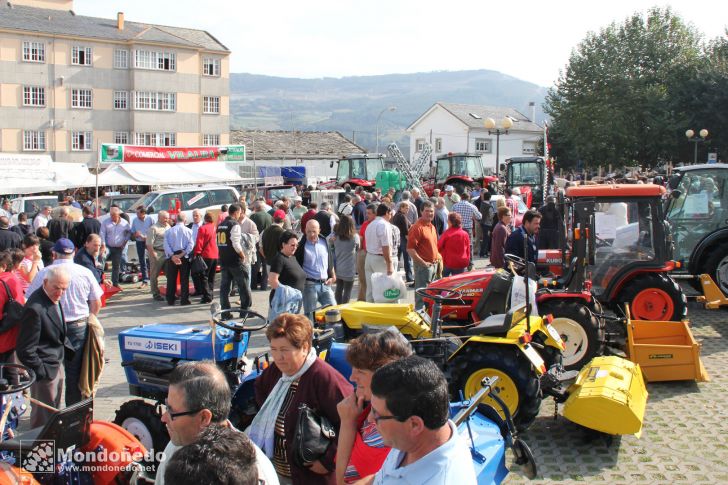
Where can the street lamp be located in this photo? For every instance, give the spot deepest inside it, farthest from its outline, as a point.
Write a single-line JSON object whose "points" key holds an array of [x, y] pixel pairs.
{"points": [[390, 108], [696, 139], [505, 125]]}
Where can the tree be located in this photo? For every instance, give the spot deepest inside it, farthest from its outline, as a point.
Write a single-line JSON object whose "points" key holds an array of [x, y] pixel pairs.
{"points": [[615, 102]]}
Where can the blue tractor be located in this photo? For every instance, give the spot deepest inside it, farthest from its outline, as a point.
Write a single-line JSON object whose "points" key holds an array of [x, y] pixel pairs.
{"points": [[150, 352]]}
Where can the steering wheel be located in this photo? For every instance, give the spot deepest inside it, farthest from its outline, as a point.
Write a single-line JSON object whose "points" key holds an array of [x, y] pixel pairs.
{"points": [[517, 261], [438, 294], [220, 317], [15, 378]]}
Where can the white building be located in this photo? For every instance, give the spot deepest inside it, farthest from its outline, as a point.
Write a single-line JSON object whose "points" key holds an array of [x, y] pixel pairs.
{"points": [[459, 128]]}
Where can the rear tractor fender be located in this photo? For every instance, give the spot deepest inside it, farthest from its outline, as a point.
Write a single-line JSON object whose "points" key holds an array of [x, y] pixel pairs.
{"points": [[525, 349]]}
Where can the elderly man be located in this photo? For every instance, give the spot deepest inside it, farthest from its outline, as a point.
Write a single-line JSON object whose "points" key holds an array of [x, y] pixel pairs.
{"points": [[198, 397], [42, 342], [234, 265], [450, 197], [59, 227], [298, 208], [410, 405], [5, 210], [317, 262], [413, 212], [82, 298], [155, 249], [178, 246], [360, 210], [115, 233], [139, 229], [8, 239], [441, 214], [417, 199], [325, 218], [422, 247], [401, 221], [42, 218], [361, 257], [378, 239]]}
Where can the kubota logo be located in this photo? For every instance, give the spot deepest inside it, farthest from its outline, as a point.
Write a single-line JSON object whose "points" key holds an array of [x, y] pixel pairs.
{"points": [[392, 293]]}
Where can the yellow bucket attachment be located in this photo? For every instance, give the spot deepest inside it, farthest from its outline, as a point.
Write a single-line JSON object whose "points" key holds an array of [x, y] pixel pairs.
{"points": [[609, 395], [712, 297], [402, 316], [666, 351]]}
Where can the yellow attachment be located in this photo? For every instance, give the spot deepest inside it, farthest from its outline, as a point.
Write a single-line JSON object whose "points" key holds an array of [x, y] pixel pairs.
{"points": [[504, 387], [666, 351], [712, 297], [609, 395], [403, 316]]}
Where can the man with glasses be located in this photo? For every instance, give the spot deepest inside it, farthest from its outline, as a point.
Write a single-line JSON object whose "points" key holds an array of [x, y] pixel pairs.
{"points": [[410, 406], [198, 397]]}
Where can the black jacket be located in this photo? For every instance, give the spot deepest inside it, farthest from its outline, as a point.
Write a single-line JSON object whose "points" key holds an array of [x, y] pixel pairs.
{"points": [[514, 245], [81, 231], [301, 251], [42, 343], [59, 228], [84, 259], [9, 239], [324, 220], [22, 230]]}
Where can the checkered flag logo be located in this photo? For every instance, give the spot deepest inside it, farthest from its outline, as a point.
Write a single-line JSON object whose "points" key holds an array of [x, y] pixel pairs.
{"points": [[41, 456]]}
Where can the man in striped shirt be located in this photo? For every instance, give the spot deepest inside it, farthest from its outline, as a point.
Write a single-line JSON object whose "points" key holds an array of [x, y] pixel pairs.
{"points": [[469, 213]]}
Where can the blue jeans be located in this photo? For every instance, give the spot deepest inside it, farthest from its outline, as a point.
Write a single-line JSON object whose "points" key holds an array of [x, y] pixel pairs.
{"points": [[423, 277], [451, 271], [76, 334], [315, 293], [141, 253]]}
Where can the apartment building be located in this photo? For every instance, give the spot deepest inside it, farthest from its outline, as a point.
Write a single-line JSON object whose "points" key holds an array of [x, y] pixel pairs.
{"points": [[69, 83]]}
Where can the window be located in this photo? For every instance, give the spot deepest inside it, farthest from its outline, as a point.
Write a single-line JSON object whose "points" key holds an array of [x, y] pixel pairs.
{"points": [[81, 141], [34, 140], [438, 144], [419, 144], [222, 196], [210, 140], [121, 137], [81, 56], [81, 98], [33, 96], [144, 100], [33, 51], [211, 104], [121, 59], [529, 148], [121, 100], [195, 200], [161, 61], [166, 202], [210, 66], [155, 139], [483, 145]]}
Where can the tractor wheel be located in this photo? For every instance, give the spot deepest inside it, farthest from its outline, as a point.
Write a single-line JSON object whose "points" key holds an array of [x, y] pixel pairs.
{"points": [[717, 266], [144, 421], [580, 330], [517, 386], [655, 296]]}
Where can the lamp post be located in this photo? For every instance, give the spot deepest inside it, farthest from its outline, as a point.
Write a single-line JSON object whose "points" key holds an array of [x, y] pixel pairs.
{"points": [[505, 125], [696, 139], [390, 108]]}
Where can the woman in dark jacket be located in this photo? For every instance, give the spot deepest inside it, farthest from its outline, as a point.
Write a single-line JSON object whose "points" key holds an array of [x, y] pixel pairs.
{"points": [[46, 246], [297, 376]]}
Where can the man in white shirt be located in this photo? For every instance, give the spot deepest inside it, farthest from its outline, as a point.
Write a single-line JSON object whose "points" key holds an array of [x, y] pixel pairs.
{"points": [[410, 406], [41, 220], [378, 237], [198, 397]]}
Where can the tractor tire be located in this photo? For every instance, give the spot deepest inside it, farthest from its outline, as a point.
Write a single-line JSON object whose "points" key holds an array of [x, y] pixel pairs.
{"points": [[716, 265], [144, 421], [518, 386], [654, 296], [580, 330]]}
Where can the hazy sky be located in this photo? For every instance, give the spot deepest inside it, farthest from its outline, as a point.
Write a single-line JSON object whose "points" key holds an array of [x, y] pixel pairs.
{"points": [[527, 39]]}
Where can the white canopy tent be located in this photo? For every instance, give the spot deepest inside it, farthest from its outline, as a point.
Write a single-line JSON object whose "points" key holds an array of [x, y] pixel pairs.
{"points": [[29, 174], [170, 173]]}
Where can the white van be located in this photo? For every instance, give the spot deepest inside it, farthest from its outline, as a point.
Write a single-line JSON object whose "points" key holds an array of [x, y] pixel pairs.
{"points": [[186, 199]]}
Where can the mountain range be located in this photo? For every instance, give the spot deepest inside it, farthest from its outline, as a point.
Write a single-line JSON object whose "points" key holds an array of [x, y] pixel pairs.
{"points": [[352, 105]]}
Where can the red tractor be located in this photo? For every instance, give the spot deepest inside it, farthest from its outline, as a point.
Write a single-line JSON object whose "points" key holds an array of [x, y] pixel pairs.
{"points": [[462, 171], [359, 170], [532, 176]]}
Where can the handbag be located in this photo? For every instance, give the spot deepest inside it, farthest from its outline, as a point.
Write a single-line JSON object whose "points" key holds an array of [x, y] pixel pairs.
{"points": [[312, 437], [12, 311], [198, 265]]}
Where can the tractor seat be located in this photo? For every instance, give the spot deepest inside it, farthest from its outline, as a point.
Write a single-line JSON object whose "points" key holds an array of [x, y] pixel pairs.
{"points": [[494, 324], [564, 280]]}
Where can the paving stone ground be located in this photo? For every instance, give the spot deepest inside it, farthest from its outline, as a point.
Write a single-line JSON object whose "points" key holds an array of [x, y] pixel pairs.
{"points": [[684, 440]]}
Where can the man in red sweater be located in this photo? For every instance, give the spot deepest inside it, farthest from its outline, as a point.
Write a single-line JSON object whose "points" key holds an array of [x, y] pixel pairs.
{"points": [[362, 254], [308, 215], [206, 246]]}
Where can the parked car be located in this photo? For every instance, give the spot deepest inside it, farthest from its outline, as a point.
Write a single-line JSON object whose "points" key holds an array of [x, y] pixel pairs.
{"points": [[123, 201], [206, 199]]}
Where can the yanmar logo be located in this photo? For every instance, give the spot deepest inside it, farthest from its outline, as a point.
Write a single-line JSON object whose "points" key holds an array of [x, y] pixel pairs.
{"points": [[154, 345]]}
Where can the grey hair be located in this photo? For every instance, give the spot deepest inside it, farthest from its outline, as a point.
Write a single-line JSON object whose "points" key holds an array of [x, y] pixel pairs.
{"points": [[165, 213], [181, 217], [204, 387], [406, 195], [325, 205], [56, 272]]}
